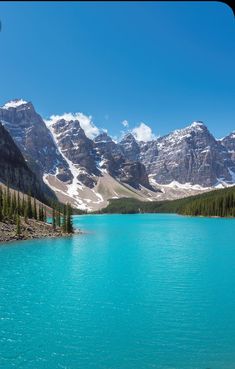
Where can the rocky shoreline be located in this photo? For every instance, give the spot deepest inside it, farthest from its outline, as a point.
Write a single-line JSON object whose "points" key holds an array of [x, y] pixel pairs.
{"points": [[33, 229]]}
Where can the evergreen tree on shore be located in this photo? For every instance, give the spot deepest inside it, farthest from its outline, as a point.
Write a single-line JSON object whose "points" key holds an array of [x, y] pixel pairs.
{"points": [[58, 218], [44, 214], [13, 207], [35, 213], [64, 223], [69, 222], [18, 225], [53, 219], [1, 204], [29, 208]]}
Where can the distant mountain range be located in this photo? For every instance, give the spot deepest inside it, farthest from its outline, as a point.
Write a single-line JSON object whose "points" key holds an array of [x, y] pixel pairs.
{"points": [[88, 172]]}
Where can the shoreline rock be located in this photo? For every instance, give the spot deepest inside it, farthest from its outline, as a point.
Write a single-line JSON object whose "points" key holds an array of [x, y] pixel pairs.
{"points": [[33, 229]]}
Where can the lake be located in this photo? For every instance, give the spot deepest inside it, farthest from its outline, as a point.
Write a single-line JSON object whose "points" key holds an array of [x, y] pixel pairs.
{"points": [[134, 292]]}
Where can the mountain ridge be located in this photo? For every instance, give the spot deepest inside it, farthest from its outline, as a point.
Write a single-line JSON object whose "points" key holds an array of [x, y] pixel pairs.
{"points": [[180, 163]]}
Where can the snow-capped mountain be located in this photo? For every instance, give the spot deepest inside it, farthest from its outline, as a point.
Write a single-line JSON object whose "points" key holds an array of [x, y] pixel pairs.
{"points": [[189, 155], [33, 138], [130, 147], [111, 158], [76, 149], [229, 143], [88, 172]]}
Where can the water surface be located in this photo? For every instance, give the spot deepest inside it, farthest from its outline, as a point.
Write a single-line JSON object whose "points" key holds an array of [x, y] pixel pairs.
{"points": [[135, 292]]}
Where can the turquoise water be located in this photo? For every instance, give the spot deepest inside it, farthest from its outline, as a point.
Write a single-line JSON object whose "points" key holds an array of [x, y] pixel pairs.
{"points": [[135, 292]]}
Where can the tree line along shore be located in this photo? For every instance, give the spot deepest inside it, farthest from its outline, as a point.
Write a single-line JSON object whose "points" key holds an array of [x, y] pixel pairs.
{"points": [[217, 203], [24, 217]]}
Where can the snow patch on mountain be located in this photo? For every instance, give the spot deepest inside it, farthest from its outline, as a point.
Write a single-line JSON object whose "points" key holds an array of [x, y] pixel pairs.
{"points": [[197, 124], [73, 187], [176, 184], [232, 175]]}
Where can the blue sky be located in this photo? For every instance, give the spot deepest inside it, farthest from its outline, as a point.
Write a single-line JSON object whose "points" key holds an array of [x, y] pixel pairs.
{"points": [[164, 64]]}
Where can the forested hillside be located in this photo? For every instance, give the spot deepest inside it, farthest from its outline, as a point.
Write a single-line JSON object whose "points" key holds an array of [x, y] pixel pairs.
{"points": [[215, 203]]}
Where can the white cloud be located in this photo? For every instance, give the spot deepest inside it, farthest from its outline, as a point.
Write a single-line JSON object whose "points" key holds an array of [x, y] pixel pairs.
{"points": [[125, 123], [143, 132], [85, 121]]}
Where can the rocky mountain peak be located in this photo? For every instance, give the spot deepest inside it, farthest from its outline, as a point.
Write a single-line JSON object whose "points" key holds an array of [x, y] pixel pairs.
{"points": [[76, 148], [103, 137], [68, 127], [33, 138], [197, 125], [228, 143], [188, 155], [130, 147], [15, 104], [196, 128], [128, 137]]}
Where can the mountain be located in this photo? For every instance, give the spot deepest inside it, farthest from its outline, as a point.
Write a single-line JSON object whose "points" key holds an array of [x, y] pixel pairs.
{"points": [[33, 138], [88, 172], [14, 170], [190, 155], [130, 147], [111, 158], [229, 143], [76, 149]]}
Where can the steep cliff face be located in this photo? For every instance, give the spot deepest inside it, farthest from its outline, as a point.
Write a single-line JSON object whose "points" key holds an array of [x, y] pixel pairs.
{"points": [[77, 150], [130, 147], [113, 159], [14, 170], [108, 155], [229, 143], [34, 140], [190, 155]]}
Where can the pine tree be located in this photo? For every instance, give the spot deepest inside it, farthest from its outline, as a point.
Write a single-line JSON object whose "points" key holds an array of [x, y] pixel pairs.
{"points": [[64, 221], [45, 214], [18, 225], [18, 204], [4, 206], [58, 220], [35, 215], [1, 196], [25, 214], [69, 222], [29, 207], [8, 201], [1, 204], [23, 206], [53, 219], [40, 213]]}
